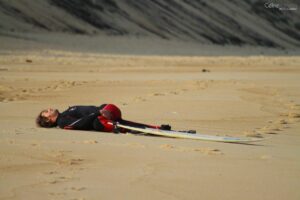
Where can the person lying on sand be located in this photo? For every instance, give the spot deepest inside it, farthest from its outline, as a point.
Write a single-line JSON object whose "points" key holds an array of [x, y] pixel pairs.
{"points": [[97, 118]]}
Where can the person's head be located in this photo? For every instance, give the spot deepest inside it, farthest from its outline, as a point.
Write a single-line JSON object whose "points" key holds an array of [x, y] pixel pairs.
{"points": [[47, 118]]}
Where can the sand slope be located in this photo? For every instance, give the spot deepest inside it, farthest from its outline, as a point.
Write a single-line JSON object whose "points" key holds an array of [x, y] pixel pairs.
{"points": [[204, 22]]}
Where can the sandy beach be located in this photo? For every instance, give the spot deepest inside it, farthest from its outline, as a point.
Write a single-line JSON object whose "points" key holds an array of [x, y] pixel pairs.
{"points": [[256, 96], [227, 68]]}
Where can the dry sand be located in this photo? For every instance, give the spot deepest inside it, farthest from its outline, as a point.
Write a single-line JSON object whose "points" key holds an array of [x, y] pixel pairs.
{"points": [[240, 96]]}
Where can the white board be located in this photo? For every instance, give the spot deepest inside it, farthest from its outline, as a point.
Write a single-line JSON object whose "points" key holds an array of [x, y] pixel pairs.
{"points": [[196, 136]]}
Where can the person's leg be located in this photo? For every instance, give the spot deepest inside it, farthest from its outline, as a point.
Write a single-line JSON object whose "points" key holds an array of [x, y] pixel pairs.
{"points": [[113, 113], [140, 125]]}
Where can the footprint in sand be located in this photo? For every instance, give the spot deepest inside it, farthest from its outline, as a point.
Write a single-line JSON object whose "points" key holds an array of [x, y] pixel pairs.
{"points": [[280, 124], [294, 115], [3, 69], [65, 178], [11, 141], [167, 146], [274, 127], [266, 130], [135, 145], [206, 150], [51, 172], [270, 132], [293, 106], [18, 131], [57, 193], [281, 121], [75, 161], [265, 157], [174, 93], [35, 145], [5, 100], [202, 84], [139, 99], [62, 159], [157, 94], [53, 182], [253, 134], [56, 180], [209, 151], [77, 188], [90, 142]]}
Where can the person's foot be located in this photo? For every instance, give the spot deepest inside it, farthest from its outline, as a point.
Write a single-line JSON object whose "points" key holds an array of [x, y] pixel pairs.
{"points": [[189, 131], [116, 129], [165, 127]]}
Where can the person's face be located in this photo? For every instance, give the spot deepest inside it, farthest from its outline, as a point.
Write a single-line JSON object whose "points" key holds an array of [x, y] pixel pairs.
{"points": [[51, 114]]}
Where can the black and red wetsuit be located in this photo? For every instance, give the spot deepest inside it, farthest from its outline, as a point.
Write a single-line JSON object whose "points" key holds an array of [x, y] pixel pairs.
{"points": [[80, 118], [89, 118]]}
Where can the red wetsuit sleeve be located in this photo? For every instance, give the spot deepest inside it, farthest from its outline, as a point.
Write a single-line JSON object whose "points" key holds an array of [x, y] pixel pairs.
{"points": [[107, 125]]}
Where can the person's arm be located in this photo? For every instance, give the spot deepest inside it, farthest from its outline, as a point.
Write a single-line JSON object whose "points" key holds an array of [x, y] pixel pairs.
{"points": [[103, 124], [83, 123]]}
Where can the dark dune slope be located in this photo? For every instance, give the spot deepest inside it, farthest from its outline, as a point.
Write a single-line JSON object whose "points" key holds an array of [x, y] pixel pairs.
{"points": [[209, 22]]}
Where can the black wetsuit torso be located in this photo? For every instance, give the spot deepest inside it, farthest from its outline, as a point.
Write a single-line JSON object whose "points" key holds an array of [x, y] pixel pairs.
{"points": [[79, 117]]}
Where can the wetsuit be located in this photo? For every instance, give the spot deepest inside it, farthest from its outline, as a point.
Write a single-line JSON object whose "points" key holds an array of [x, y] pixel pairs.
{"points": [[81, 118], [89, 118]]}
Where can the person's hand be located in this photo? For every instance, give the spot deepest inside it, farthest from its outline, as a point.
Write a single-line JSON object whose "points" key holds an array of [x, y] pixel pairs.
{"points": [[165, 127], [106, 114]]}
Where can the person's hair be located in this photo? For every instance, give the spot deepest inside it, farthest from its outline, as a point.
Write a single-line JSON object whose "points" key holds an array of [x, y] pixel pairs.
{"points": [[44, 122]]}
